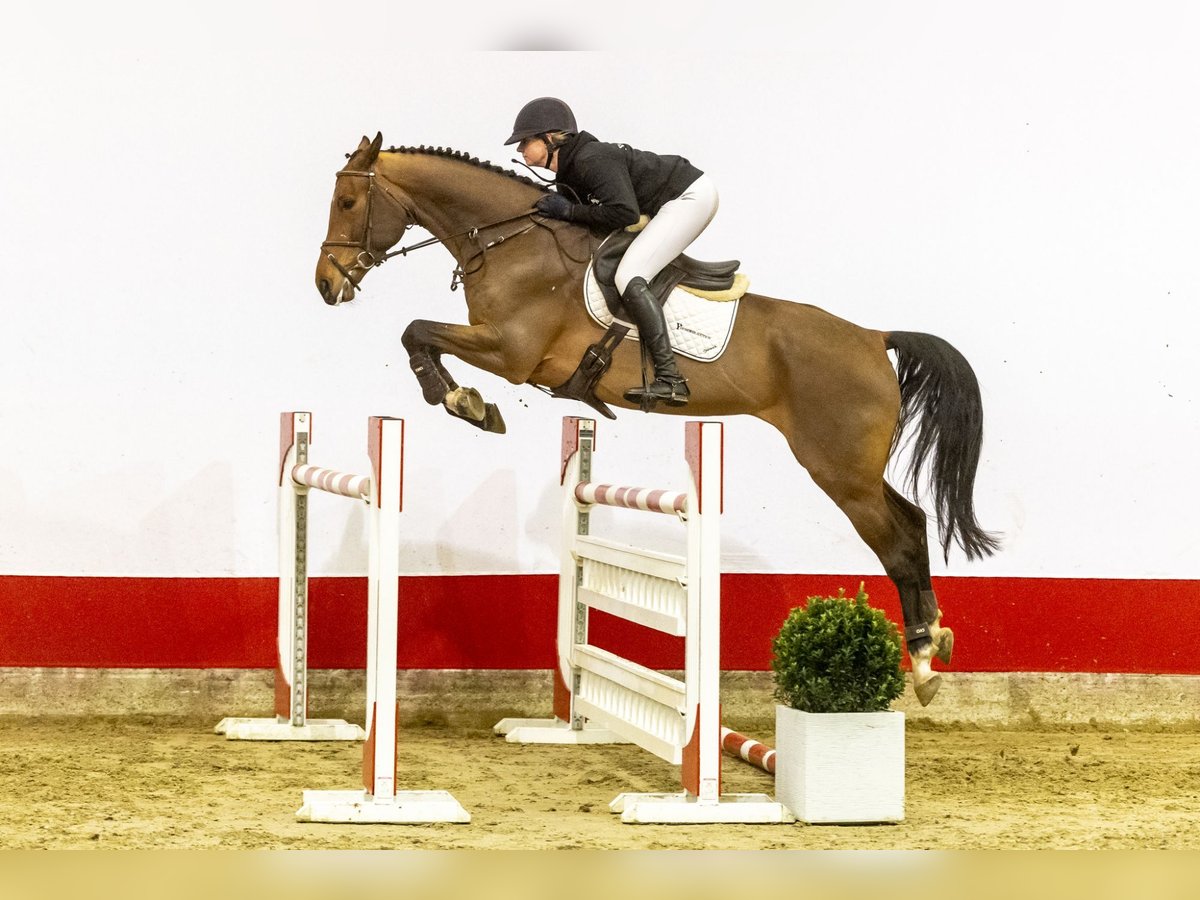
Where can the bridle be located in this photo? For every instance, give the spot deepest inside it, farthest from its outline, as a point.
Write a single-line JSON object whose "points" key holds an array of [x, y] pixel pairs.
{"points": [[368, 259]]}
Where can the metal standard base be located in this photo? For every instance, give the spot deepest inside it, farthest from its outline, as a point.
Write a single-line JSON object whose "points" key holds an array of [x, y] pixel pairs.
{"points": [[358, 807], [275, 730], [554, 731], [681, 809]]}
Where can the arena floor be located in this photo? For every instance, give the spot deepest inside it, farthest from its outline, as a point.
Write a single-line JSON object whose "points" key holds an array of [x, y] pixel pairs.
{"points": [[153, 782]]}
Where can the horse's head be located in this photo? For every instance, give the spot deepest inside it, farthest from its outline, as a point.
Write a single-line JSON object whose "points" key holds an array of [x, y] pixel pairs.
{"points": [[365, 220]]}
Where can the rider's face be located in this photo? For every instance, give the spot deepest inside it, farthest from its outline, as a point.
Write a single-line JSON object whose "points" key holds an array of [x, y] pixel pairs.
{"points": [[534, 150]]}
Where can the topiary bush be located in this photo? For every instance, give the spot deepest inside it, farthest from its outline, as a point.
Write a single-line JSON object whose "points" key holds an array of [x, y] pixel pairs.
{"points": [[837, 654]]}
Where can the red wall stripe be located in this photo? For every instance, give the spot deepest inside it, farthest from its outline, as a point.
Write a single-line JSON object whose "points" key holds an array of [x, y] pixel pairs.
{"points": [[507, 622]]}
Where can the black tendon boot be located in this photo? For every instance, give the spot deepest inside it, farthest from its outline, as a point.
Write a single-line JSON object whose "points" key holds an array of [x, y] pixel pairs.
{"points": [[668, 385]]}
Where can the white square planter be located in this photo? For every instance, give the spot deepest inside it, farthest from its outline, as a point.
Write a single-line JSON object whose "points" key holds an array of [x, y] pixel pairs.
{"points": [[840, 767]]}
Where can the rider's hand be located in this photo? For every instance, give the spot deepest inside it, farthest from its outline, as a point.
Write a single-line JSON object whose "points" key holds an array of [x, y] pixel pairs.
{"points": [[555, 206]]}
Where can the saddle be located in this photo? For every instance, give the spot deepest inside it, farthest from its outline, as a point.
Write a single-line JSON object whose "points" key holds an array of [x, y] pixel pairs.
{"points": [[683, 271]]}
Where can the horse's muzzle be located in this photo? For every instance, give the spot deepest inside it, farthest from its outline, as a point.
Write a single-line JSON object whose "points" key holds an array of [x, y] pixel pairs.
{"points": [[325, 289], [332, 297]]}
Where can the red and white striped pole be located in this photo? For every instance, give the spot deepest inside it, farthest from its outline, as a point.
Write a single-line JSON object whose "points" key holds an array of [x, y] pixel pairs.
{"points": [[745, 748]]}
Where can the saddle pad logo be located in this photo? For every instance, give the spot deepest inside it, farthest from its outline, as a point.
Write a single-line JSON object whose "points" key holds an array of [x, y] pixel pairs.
{"points": [[699, 329]]}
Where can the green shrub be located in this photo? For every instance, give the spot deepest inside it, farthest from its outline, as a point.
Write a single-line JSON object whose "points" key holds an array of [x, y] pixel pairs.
{"points": [[835, 654]]}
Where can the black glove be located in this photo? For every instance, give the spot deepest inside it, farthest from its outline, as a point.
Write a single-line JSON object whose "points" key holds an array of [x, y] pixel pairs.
{"points": [[556, 206]]}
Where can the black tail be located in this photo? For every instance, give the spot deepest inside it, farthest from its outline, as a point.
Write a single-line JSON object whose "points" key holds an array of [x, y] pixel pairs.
{"points": [[939, 394]]}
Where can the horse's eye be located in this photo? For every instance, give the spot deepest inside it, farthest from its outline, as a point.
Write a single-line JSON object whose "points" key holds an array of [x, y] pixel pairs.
{"points": [[347, 202]]}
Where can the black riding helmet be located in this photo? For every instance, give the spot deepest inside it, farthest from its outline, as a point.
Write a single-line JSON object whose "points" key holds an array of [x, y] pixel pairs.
{"points": [[540, 116]]}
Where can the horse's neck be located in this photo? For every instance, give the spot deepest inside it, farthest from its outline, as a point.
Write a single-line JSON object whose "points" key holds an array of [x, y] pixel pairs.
{"points": [[451, 197]]}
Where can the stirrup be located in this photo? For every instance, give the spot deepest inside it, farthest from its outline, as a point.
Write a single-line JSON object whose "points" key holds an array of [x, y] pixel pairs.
{"points": [[671, 390]]}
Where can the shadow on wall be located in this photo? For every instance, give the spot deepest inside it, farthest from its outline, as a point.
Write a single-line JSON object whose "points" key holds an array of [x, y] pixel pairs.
{"points": [[191, 531], [493, 504]]}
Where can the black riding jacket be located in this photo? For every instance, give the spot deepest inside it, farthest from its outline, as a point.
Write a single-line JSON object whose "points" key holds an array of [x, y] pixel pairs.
{"points": [[614, 184]]}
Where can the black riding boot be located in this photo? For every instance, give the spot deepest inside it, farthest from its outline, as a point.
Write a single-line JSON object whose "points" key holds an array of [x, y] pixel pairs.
{"points": [[668, 385]]}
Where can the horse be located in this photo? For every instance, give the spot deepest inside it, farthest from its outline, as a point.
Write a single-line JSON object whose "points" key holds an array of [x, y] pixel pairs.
{"points": [[827, 385]]}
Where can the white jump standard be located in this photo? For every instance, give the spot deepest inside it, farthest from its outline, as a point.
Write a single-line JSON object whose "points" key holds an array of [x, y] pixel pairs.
{"points": [[378, 801], [600, 697], [291, 722]]}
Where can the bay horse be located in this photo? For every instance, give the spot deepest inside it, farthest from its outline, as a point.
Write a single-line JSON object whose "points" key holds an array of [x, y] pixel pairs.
{"points": [[826, 384]]}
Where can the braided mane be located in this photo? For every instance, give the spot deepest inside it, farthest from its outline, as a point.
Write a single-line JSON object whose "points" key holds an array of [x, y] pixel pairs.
{"points": [[448, 153]]}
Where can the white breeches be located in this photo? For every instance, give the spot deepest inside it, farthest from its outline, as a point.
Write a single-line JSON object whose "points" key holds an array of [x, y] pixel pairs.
{"points": [[669, 233]]}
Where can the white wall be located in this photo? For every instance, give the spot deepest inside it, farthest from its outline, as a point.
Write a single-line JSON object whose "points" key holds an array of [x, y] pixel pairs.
{"points": [[1017, 177]]}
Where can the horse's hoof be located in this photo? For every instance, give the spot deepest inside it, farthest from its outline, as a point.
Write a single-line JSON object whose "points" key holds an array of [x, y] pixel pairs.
{"points": [[493, 421], [926, 690], [466, 403], [943, 645], [925, 681]]}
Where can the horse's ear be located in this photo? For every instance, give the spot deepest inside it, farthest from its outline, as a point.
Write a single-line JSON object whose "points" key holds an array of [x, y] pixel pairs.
{"points": [[368, 149]]}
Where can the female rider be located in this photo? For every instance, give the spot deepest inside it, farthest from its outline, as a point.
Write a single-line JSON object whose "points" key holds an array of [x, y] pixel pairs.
{"points": [[615, 184]]}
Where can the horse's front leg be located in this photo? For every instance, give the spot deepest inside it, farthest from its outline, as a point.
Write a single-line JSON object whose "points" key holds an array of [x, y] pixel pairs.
{"points": [[477, 345]]}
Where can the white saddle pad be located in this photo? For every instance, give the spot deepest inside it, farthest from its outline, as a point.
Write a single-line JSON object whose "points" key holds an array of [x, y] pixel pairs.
{"points": [[699, 328]]}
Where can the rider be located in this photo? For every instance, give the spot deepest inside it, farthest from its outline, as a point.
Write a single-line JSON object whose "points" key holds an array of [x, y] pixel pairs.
{"points": [[615, 185]]}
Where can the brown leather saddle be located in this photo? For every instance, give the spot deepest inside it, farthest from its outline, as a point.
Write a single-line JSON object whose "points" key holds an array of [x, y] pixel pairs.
{"points": [[682, 271]]}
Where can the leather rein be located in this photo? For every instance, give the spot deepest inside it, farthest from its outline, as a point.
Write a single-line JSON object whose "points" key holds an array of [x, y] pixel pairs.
{"points": [[368, 259]]}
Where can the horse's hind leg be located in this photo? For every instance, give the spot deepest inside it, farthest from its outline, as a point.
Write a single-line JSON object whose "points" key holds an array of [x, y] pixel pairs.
{"points": [[924, 623], [895, 530], [928, 613], [842, 434]]}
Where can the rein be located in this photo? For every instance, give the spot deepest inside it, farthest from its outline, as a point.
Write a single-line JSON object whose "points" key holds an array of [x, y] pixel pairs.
{"points": [[367, 259]]}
